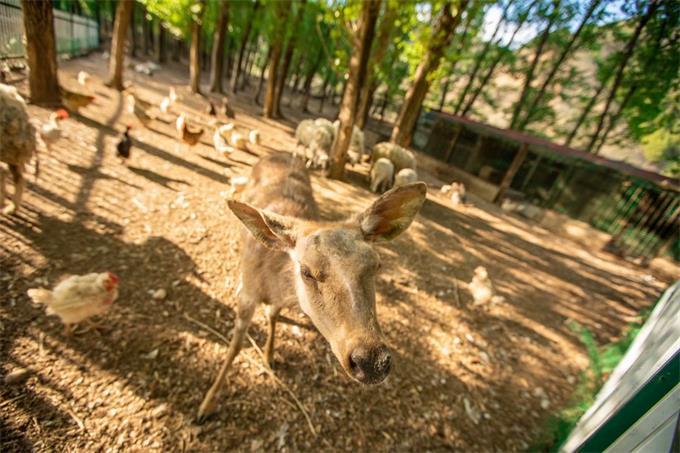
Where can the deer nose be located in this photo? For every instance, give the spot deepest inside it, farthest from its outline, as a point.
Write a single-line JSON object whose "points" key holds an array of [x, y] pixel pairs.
{"points": [[370, 365]]}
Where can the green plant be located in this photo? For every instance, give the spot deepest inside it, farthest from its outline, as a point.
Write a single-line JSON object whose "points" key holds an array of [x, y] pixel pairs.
{"points": [[603, 360]]}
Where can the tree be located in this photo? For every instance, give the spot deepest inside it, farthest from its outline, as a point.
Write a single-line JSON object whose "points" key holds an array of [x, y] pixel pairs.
{"points": [[457, 52], [358, 62], [283, 73], [443, 29], [159, 43], [282, 9], [217, 57], [500, 53], [197, 11], [309, 77], [532, 68], [481, 57], [236, 73], [556, 66], [41, 52], [120, 28], [626, 55]]}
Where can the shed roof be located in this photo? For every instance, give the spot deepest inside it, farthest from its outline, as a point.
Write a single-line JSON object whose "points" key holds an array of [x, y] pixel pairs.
{"points": [[541, 145]]}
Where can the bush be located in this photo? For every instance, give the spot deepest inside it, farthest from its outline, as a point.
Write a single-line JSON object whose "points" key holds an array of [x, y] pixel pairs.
{"points": [[602, 360]]}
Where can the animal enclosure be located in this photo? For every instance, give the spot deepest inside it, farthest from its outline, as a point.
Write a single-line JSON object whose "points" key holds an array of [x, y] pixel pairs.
{"points": [[640, 209]]}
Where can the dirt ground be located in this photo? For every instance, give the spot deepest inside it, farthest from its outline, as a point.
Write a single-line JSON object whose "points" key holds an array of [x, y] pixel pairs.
{"points": [[464, 378]]}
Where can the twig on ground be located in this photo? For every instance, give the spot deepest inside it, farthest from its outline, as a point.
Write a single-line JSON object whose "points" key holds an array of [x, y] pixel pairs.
{"points": [[75, 418], [5, 403], [455, 291], [254, 362]]}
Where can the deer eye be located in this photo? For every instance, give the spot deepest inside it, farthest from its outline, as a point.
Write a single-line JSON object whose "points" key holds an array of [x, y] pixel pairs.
{"points": [[307, 274]]}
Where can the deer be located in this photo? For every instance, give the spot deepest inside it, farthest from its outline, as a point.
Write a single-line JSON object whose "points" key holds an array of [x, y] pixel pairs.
{"points": [[289, 256]]}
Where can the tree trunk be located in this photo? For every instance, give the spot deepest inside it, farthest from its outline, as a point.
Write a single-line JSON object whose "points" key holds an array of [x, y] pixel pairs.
{"points": [[145, 33], [358, 63], [263, 70], [176, 49], [236, 74], [41, 52], [247, 71], [324, 91], [532, 68], [292, 42], [120, 28], [309, 78], [230, 58], [461, 45], [627, 53], [614, 119], [442, 32], [133, 31], [383, 106], [217, 57], [160, 43], [565, 52], [586, 110], [282, 10], [480, 58], [379, 49], [195, 52]]}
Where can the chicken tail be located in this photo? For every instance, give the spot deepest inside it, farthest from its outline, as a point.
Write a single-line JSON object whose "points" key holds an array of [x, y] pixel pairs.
{"points": [[40, 295]]}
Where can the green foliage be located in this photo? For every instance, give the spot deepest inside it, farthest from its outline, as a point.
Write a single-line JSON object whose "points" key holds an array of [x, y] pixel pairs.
{"points": [[663, 146], [602, 361]]}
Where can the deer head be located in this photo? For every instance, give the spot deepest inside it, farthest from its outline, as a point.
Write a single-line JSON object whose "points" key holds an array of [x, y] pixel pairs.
{"points": [[334, 270]]}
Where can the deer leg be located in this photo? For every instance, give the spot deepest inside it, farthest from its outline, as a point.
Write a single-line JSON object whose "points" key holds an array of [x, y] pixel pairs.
{"points": [[245, 315], [19, 183], [272, 313]]}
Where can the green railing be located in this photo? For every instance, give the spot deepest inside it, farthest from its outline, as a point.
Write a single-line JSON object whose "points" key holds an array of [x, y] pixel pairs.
{"points": [[74, 34]]}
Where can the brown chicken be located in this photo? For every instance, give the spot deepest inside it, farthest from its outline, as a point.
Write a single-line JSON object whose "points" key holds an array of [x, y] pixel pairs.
{"points": [[188, 136], [79, 297], [75, 101]]}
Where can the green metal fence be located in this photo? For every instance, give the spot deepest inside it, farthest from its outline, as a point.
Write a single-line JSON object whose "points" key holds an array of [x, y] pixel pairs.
{"points": [[74, 34], [643, 219]]}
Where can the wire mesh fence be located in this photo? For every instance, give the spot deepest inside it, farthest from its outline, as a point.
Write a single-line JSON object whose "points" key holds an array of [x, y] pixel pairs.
{"points": [[74, 34]]}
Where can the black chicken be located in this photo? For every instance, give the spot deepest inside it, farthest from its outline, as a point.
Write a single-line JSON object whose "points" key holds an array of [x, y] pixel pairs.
{"points": [[124, 144]]}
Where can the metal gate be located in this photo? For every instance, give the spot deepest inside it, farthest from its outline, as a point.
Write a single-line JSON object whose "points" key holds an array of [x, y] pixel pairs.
{"points": [[74, 34], [644, 220]]}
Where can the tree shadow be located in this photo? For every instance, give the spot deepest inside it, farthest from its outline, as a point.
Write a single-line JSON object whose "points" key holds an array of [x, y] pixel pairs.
{"points": [[157, 178]]}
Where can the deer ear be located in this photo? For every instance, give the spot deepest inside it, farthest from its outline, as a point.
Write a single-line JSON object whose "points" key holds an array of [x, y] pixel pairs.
{"points": [[392, 213], [273, 230]]}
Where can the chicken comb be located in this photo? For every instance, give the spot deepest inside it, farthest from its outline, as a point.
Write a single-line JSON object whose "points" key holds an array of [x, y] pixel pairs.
{"points": [[62, 114], [113, 277]]}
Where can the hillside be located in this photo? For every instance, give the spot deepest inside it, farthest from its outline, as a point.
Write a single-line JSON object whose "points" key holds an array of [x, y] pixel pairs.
{"points": [[495, 105]]}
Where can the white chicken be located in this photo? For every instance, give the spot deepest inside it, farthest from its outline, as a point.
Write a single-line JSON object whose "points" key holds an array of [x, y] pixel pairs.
{"points": [[83, 78], [239, 140], [165, 105], [481, 288], [78, 297], [219, 139], [254, 137], [172, 95], [50, 131], [238, 184]]}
